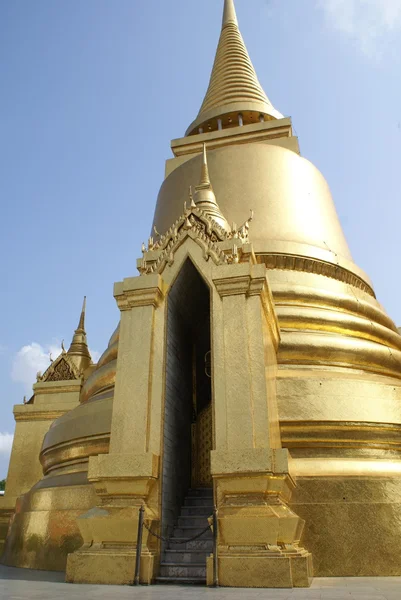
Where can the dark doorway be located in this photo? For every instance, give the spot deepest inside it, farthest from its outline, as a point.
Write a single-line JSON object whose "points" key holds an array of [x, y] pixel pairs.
{"points": [[188, 416]]}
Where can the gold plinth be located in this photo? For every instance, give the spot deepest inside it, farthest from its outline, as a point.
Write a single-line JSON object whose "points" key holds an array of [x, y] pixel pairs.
{"points": [[108, 566], [258, 533], [262, 570]]}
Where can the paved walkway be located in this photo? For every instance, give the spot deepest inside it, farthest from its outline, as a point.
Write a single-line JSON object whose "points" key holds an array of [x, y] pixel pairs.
{"points": [[22, 584]]}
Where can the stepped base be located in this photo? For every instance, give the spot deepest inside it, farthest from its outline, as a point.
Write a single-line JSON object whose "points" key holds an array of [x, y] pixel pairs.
{"points": [[185, 570], [109, 567], [262, 571], [181, 580]]}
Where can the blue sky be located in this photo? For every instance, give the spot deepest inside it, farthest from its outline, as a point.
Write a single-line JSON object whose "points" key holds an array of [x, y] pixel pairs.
{"points": [[93, 92]]}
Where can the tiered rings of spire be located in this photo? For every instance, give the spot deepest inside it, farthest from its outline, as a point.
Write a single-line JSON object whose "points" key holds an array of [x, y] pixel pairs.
{"points": [[234, 96]]}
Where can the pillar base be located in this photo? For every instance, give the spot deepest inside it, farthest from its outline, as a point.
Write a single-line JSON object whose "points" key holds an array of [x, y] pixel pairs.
{"points": [[261, 570], [108, 566]]}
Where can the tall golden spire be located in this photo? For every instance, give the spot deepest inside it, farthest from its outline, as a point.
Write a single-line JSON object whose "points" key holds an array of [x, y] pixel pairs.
{"points": [[205, 198], [235, 96], [79, 350]]}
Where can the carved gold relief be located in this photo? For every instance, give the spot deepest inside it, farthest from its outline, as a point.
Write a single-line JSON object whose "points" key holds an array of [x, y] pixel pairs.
{"points": [[202, 445]]}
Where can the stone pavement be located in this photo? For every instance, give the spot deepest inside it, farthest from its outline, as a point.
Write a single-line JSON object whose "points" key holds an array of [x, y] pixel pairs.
{"points": [[22, 584]]}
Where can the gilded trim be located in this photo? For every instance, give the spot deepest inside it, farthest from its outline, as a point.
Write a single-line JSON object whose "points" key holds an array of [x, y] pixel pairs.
{"points": [[291, 262], [340, 434]]}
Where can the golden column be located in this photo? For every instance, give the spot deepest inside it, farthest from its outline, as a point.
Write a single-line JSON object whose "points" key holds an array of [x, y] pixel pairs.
{"points": [[258, 534], [128, 477]]}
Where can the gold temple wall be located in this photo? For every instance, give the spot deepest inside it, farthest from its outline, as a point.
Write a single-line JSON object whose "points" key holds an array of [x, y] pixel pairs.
{"points": [[352, 524]]}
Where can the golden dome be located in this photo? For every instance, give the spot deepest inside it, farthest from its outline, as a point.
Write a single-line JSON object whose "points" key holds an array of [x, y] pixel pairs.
{"points": [[289, 196], [102, 379]]}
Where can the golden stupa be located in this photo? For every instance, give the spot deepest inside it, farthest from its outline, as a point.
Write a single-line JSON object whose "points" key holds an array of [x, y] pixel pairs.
{"points": [[252, 369]]}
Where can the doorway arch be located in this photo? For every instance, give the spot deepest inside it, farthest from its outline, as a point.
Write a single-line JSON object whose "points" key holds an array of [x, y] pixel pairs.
{"points": [[187, 431]]}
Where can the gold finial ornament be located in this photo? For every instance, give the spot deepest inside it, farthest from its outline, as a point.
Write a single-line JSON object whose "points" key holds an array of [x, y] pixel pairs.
{"points": [[79, 350], [191, 197], [81, 324], [205, 198], [229, 15], [205, 177], [235, 95]]}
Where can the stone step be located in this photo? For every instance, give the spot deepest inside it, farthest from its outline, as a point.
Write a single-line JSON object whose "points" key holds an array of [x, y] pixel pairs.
{"points": [[199, 501], [200, 544], [197, 511], [185, 556], [201, 492], [193, 521], [185, 562], [181, 580], [182, 570], [189, 532]]}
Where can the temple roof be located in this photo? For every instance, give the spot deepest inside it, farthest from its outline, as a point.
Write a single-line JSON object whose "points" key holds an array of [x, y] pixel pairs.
{"points": [[72, 363], [234, 87]]}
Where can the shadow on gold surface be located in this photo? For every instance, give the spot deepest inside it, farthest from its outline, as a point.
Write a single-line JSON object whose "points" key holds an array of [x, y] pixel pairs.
{"points": [[43, 530]]}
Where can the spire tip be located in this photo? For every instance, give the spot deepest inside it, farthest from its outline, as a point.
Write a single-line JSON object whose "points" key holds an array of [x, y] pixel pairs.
{"points": [[229, 15], [205, 178], [81, 324]]}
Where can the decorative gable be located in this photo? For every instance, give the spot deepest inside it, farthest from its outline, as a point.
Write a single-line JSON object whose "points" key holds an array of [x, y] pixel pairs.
{"points": [[62, 369], [200, 227]]}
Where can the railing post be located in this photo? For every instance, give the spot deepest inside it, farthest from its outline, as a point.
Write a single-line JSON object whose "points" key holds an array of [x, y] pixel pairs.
{"points": [[139, 545], [215, 545]]}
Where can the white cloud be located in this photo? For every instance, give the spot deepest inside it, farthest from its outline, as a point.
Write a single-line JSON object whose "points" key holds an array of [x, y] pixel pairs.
{"points": [[33, 358], [6, 442], [368, 22], [95, 355]]}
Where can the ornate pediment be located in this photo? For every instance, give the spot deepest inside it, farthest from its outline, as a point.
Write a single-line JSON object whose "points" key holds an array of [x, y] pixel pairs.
{"points": [[196, 224], [62, 369]]}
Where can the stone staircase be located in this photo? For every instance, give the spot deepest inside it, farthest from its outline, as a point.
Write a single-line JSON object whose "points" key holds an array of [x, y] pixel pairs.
{"points": [[186, 563]]}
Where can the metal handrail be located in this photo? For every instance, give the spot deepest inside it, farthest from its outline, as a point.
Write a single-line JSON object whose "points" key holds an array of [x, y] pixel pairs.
{"points": [[139, 545], [215, 549]]}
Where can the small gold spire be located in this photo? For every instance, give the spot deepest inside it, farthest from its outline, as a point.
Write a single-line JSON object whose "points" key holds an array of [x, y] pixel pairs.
{"points": [[234, 96], [79, 350], [205, 177], [81, 324], [191, 197], [205, 198]]}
